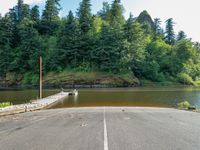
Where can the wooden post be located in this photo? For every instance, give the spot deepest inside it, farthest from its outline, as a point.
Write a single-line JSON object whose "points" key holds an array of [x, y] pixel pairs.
{"points": [[40, 80]]}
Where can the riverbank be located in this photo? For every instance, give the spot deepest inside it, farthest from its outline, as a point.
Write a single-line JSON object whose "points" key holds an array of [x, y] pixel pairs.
{"points": [[77, 79], [72, 79]]}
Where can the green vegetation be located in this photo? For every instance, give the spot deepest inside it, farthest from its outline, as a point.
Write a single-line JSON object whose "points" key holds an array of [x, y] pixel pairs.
{"points": [[74, 77], [105, 44], [184, 104], [5, 104]]}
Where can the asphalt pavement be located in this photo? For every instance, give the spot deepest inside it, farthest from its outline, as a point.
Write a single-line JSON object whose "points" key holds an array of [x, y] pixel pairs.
{"points": [[101, 128]]}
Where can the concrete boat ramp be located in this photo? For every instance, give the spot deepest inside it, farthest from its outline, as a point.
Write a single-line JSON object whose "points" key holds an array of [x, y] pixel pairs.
{"points": [[35, 105], [108, 128]]}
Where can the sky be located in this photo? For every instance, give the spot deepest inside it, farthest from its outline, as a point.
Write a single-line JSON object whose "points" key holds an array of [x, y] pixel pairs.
{"points": [[184, 12]]}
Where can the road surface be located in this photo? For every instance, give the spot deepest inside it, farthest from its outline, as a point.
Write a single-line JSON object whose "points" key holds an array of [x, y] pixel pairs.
{"points": [[101, 129]]}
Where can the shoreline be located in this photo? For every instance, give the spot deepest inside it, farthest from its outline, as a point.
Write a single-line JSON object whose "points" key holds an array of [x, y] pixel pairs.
{"points": [[89, 86]]}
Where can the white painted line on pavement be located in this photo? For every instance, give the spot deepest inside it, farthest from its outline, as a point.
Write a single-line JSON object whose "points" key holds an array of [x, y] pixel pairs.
{"points": [[105, 133]]}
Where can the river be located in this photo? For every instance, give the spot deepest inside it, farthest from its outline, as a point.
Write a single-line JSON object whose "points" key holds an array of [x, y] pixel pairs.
{"points": [[144, 97]]}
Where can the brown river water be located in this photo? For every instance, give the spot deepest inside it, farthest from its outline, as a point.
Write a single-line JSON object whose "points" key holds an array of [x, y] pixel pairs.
{"points": [[142, 97]]}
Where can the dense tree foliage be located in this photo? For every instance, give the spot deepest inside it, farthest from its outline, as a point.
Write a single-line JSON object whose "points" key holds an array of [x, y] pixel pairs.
{"points": [[105, 42]]}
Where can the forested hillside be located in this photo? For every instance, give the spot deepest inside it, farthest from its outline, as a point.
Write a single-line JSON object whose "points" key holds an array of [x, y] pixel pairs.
{"points": [[105, 43]]}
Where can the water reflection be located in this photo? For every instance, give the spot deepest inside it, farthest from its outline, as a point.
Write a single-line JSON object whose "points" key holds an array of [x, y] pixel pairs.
{"points": [[146, 97]]}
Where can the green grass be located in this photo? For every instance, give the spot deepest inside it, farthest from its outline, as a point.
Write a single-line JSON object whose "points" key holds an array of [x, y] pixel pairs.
{"points": [[5, 104]]}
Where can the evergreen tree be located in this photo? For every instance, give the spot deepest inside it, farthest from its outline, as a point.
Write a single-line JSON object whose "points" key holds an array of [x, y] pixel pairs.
{"points": [[136, 50], [116, 19], [68, 40], [25, 11], [170, 35], [20, 10], [128, 28], [108, 50], [103, 42], [35, 14], [181, 35], [158, 31], [85, 24], [30, 46], [5, 44], [105, 12], [85, 16], [50, 17]]}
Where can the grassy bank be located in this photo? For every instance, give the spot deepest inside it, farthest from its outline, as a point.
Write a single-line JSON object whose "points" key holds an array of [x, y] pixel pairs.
{"points": [[69, 77], [74, 77]]}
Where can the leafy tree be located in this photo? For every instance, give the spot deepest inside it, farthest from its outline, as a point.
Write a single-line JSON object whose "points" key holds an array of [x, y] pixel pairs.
{"points": [[158, 61], [184, 51], [170, 35], [102, 42]]}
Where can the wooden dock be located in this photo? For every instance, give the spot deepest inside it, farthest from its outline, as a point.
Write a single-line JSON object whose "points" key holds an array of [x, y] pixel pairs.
{"points": [[35, 105]]}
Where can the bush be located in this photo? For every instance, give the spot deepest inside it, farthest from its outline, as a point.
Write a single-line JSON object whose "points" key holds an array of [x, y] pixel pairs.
{"points": [[184, 104], [30, 78], [84, 67], [185, 79], [5, 104]]}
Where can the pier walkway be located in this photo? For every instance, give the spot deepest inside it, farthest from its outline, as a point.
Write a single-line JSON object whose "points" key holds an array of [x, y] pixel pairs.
{"points": [[34, 105]]}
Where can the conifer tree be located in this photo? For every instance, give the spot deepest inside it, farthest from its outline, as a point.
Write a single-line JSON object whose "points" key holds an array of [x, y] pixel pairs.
{"points": [[158, 31], [169, 31], [116, 14], [85, 16], [30, 46], [5, 44], [181, 35], [35, 14], [50, 17], [135, 52], [68, 42]]}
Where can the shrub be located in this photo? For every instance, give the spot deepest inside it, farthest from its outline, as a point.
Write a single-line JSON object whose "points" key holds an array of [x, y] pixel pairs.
{"points": [[30, 78], [5, 104], [184, 104], [84, 67], [185, 79]]}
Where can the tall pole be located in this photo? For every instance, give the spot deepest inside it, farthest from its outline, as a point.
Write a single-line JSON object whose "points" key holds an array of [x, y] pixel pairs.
{"points": [[40, 82]]}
